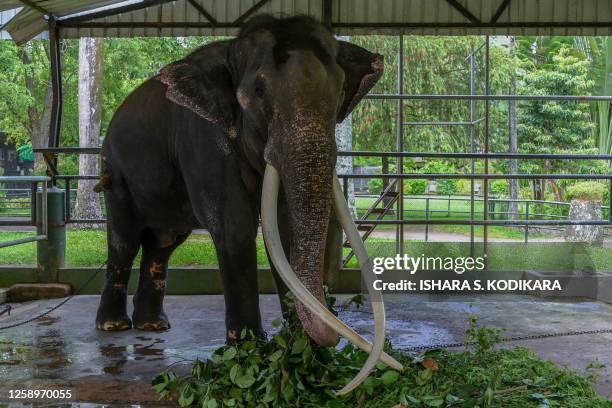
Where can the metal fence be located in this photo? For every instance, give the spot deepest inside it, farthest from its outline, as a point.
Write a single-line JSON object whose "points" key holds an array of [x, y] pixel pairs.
{"points": [[42, 233], [527, 210]]}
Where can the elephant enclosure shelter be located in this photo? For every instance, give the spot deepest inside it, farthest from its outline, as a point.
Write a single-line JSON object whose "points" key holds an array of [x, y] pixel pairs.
{"points": [[63, 347]]}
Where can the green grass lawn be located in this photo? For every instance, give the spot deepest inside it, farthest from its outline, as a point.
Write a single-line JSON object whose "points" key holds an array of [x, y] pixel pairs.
{"points": [[88, 248]]}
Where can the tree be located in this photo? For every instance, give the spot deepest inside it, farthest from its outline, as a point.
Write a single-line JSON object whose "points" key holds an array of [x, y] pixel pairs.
{"points": [[90, 115], [555, 126], [25, 94]]}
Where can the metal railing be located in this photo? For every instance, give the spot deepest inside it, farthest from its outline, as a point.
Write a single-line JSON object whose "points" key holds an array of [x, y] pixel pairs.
{"points": [[34, 180], [50, 155], [525, 214], [400, 222]]}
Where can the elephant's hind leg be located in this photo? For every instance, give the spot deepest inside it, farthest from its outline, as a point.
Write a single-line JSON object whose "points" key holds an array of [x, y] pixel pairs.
{"points": [[123, 236], [122, 249], [149, 298]]}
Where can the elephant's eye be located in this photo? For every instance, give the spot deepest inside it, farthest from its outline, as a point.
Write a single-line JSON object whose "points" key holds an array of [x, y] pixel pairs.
{"points": [[259, 92]]}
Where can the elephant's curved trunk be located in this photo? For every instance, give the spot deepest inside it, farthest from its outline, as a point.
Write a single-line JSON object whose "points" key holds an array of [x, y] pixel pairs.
{"points": [[314, 306], [307, 181]]}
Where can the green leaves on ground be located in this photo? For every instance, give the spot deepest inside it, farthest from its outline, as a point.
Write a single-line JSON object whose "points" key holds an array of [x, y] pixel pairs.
{"points": [[291, 371]]}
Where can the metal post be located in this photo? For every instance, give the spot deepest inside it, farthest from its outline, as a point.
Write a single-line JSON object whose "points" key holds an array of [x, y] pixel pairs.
{"points": [[50, 253], [427, 218], [527, 223], [449, 206], [56, 85], [472, 146], [67, 205], [33, 189], [400, 146], [485, 180]]}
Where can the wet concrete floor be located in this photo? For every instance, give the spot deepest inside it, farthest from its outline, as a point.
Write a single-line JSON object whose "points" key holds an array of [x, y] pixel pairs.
{"points": [[64, 350]]}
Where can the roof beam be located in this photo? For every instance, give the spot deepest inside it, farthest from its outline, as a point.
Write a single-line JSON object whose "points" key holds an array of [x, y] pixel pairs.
{"points": [[202, 11], [465, 12], [113, 11], [249, 12], [500, 10], [188, 24], [35, 6], [513, 24]]}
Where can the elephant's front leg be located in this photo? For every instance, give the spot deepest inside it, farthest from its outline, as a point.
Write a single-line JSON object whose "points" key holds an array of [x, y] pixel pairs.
{"points": [[237, 255], [149, 298]]}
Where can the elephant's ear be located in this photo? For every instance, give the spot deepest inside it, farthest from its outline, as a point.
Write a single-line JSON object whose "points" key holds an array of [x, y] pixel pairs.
{"points": [[202, 83], [361, 71]]}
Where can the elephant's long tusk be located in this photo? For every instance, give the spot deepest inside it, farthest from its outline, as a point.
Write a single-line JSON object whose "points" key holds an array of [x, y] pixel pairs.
{"points": [[344, 216], [269, 207]]}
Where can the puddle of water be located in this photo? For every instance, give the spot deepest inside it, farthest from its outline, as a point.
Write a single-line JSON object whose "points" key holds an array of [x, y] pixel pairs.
{"points": [[50, 357], [11, 354]]}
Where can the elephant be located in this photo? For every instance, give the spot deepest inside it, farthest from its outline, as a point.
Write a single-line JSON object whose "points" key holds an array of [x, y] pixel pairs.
{"points": [[194, 147]]}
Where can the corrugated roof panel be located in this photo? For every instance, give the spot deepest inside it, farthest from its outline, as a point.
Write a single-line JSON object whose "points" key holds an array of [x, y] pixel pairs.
{"points": [[30, 22], [349, 17]]}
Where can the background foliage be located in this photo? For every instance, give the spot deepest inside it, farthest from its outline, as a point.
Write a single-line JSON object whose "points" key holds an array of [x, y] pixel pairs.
{"points": [[433, 65]]}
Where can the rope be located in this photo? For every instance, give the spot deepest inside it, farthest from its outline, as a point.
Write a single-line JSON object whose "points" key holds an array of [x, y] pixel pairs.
{"points": [[60, 304]]}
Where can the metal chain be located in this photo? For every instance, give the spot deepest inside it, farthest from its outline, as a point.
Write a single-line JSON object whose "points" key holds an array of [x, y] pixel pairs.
{"points": [[60, 304], [507, 339]]}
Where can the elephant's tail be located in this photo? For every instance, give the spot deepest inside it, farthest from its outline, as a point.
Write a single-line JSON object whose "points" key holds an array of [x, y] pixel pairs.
{"points": [[105, 182]]}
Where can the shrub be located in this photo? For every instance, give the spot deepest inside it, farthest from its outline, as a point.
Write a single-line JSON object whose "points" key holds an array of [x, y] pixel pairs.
{"points": [[464, 187], [446, 187], [443, 187], [586, 190], [415, 186], [500, 188], [375, 186]]}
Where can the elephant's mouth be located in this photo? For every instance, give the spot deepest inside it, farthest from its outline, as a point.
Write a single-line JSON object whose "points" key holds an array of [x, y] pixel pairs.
{"points": [[312, 311]]}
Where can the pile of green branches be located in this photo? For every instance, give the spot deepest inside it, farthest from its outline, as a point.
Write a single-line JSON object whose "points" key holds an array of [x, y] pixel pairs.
{"points": [[291, 371]]}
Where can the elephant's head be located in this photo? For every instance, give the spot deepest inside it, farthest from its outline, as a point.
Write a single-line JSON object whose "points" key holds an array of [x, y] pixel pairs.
{"points": [[279, 89]]}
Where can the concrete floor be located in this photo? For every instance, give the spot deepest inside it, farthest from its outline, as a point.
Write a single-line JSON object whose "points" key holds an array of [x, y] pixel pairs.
{"points": [[64, 350]]}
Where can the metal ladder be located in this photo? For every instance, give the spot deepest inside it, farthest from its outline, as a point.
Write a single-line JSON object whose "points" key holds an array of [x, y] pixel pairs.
{"points": [[380, 213]]}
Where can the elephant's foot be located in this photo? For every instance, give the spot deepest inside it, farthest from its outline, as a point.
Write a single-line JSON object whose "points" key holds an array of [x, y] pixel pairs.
{"points": [[109, 320], [123, 323], [112, 314], [149, 314], [153, 322]]}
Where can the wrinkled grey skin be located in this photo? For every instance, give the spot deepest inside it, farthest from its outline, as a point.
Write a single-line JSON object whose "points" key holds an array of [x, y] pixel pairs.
{"points": [[195, 157]]}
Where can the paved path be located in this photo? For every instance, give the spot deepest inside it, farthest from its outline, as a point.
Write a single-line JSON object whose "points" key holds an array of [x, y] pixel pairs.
{"points": [[64, 349]]}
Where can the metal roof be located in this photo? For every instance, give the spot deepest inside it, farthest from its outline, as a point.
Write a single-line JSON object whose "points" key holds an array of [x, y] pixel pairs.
{"points": [[114, 18]]}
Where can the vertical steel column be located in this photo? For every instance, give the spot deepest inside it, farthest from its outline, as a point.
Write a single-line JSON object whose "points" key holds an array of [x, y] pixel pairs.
{"points": [[472, 145], [610, 202], [400, 146], [56, 84], [485, 180]]}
